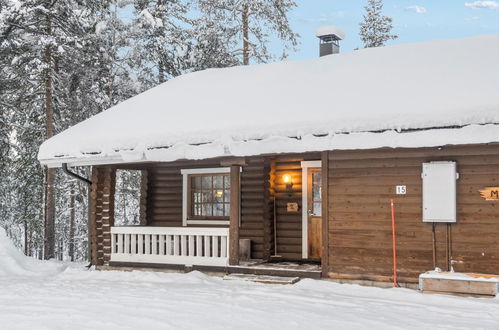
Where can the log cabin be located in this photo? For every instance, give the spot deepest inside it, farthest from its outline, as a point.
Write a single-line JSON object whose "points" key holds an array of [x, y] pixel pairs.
{"points": [[300, 161]]}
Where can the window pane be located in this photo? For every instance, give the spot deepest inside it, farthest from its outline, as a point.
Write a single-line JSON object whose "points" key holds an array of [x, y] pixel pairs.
{"points": [[317, 178], [227, 196], [317, 209], [218, 210], [207, 210], [196, 210], [226, 181], [196, 182], [206, 180], [196, 197], [207, 196], [227, 210], [218, 196], [316, 193], [218, 181]]}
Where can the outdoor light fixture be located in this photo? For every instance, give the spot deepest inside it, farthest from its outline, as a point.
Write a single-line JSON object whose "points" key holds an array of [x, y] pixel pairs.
{"points": [[287, 180]]}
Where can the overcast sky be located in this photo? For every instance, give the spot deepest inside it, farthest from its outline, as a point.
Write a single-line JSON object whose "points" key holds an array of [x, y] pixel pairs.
{"points": [[414, 20]]}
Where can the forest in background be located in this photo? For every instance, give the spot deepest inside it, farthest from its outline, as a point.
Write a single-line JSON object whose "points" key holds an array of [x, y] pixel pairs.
{"points": [[64, 61]]}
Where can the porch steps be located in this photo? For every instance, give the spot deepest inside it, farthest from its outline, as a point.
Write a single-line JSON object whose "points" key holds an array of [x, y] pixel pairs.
{"points": [[460, 284], [266, 279]]}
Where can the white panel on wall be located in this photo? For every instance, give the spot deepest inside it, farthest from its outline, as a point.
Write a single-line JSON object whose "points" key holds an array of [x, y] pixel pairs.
{"points": [[439, 191]]}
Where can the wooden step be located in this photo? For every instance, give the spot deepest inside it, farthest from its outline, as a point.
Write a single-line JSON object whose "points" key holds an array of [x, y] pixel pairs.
{"points": [[266, 279], [459, 284]]}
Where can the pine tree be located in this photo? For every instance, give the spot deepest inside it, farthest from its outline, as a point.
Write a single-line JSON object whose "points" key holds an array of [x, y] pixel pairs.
{"points": [[375, 30], [247, 26], [160, 34]]}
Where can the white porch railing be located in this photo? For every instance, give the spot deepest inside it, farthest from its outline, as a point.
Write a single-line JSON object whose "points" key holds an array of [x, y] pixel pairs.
{"points": [[170, 245]]}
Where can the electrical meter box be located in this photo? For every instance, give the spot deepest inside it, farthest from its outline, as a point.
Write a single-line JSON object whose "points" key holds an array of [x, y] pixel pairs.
{"points": [[439, 191]]}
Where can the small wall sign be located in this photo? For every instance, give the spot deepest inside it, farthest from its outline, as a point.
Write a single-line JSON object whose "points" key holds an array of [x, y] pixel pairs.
{"points": [[490, 193], [401, 190], [292, 207]]}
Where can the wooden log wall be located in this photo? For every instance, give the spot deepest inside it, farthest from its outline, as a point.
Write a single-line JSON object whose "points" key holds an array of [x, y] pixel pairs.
{"points": [[256, 214], [361, 184], [164, 195], [101, 215], [289, 224]]}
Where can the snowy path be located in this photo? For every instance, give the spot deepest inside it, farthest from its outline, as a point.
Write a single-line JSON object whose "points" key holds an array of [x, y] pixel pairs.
{"points": [[80, 299]]}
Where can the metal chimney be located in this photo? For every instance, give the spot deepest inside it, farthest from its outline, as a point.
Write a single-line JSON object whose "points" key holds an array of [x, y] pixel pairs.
{"points": [[330, 37]]}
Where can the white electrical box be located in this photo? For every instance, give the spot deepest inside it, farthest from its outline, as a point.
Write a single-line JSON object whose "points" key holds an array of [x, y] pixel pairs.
{"points": [[439, 191]]}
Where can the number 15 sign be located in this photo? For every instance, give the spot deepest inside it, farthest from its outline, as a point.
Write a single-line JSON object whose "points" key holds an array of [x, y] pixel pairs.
{"points": [[401, 190]]}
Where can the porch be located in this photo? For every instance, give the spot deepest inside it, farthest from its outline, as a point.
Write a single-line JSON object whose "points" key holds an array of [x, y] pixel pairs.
{"points": [[186, 249], [186, 223]]}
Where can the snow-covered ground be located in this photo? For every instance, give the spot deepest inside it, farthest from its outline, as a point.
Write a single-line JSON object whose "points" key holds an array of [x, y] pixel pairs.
{"points": [[50, 295]]}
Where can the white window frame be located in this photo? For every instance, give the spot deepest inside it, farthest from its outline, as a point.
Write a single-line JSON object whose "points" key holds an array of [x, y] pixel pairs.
{"points": [[305, 165], [185, 195]]}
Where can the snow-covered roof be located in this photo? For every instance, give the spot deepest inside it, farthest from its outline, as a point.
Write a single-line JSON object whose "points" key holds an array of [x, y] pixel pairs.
{"points": [[394, 96], [330, 31]]}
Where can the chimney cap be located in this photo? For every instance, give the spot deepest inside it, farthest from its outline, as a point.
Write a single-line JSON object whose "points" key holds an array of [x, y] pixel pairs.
{"points": [[331, 30]]}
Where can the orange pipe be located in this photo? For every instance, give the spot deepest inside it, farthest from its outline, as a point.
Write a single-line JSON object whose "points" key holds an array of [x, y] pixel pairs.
{"points": [[394, 247]]}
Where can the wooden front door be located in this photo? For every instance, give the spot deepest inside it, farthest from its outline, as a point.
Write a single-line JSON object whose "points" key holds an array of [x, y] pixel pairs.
{"points": [[314, 205]]}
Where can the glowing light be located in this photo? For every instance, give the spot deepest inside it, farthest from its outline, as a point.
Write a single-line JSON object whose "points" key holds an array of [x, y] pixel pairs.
{"points": [[286, 178]]}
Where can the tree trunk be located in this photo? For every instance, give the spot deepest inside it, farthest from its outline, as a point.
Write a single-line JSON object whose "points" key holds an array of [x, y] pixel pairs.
{"points": [[50, 173], [245, 35], [161, 72], [72, 215], [26, 242]]}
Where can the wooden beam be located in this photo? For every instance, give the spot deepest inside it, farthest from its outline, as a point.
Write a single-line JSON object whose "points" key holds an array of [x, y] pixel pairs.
{"points": [[235, 201], [143, 197], [325, 214], [241, 161], [92, 216]]}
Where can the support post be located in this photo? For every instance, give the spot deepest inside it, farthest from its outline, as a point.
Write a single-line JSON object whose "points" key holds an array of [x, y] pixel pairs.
{"points": [[325, 213], [235, 200]]}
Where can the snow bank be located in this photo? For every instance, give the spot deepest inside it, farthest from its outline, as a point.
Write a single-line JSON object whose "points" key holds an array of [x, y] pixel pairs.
{"points": [[301, 106], [77, 299], [13, 262]]}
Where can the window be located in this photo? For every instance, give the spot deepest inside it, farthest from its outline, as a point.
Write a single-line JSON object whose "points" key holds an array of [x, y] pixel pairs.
{"points": [[209, 196], [206, 196]]}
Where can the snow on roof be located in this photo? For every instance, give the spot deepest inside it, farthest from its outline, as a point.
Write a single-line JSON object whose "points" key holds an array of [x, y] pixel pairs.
{"points": [[380, 97], [330, 30]]}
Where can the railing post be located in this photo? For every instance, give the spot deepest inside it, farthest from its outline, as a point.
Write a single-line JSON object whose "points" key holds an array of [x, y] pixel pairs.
{"points": [[235, 200]]}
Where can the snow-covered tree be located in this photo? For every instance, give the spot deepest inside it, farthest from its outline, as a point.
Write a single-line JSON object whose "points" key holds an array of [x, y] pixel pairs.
{"points": [[375, 29], [161, 38], [246, 27]]}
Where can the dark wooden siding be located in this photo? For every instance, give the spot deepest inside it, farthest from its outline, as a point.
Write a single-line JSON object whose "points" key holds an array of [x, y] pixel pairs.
{"points": [[164, 195], [255, 215], [361, 184]]}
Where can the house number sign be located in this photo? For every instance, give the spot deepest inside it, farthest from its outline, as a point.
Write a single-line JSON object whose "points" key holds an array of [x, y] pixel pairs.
{"points": [[490, 193], [401, 190]]}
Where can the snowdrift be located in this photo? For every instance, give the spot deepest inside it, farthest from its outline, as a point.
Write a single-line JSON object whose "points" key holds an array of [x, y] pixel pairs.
{"points": [[14, 262]]}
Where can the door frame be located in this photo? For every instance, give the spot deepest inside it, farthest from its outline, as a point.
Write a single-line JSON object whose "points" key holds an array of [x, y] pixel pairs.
{"points": [[305, 165]]}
